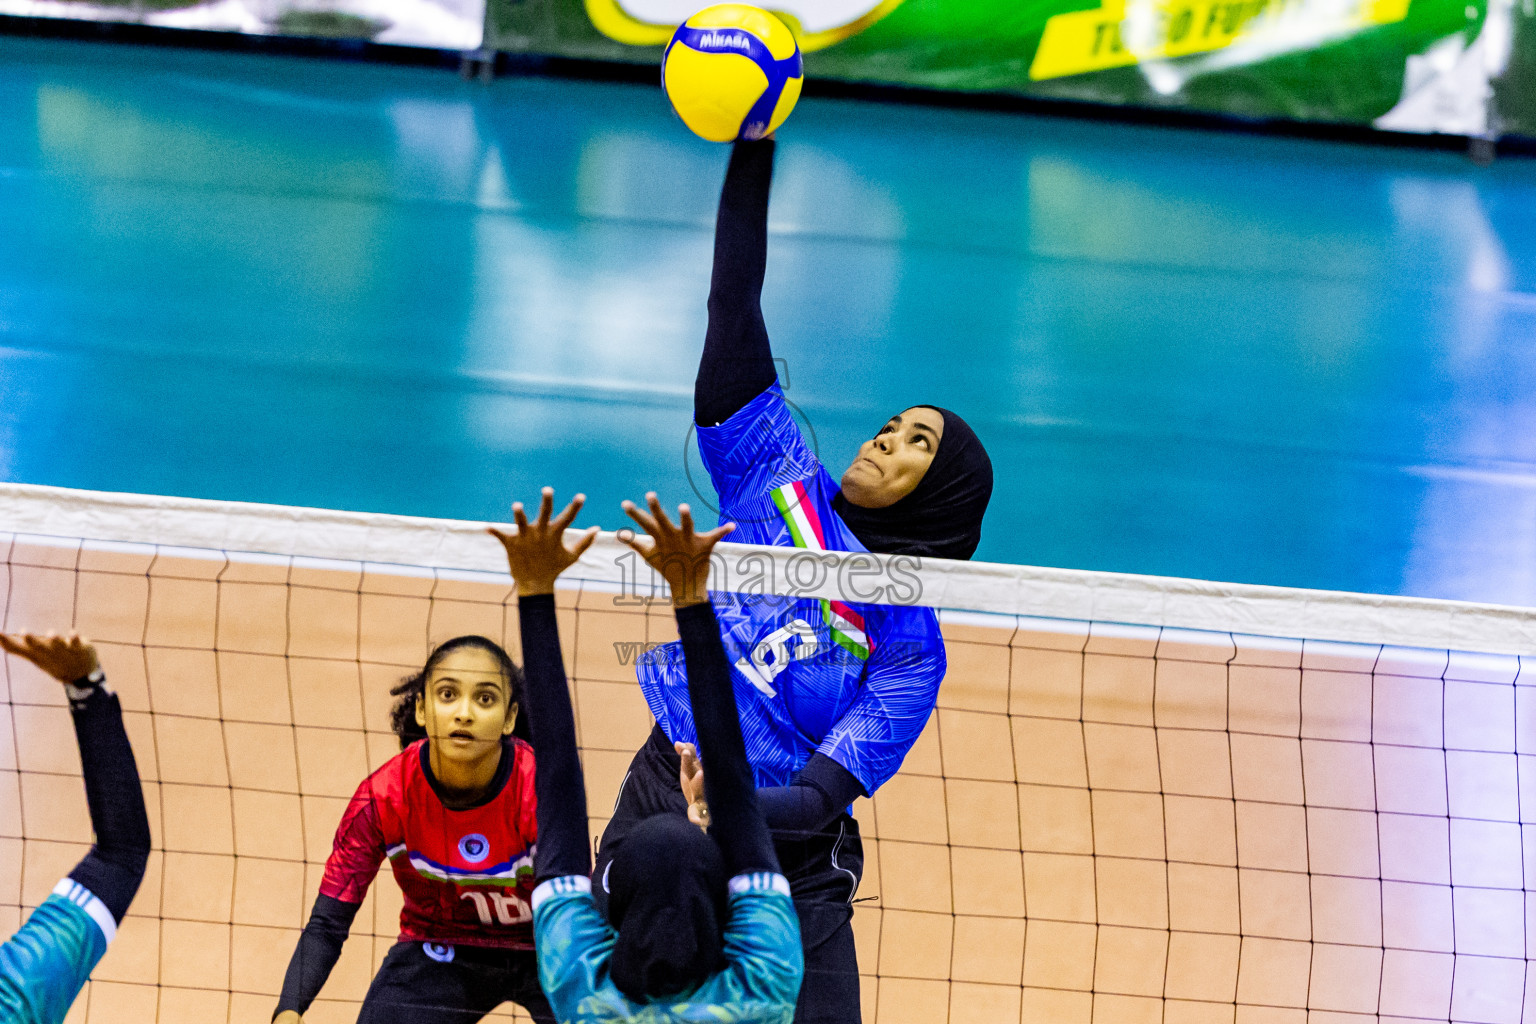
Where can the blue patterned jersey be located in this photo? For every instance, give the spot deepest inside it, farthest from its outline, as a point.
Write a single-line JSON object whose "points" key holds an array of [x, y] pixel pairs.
{"points": [[854, 681], [46, 963], [758, 985]]}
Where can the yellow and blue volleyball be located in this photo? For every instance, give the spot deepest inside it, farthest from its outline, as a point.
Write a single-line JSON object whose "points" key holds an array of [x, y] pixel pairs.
{"points": [[732, 71]]}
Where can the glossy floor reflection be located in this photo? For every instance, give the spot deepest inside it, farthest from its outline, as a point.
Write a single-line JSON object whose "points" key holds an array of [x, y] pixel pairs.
{"points": [[364, 287]]}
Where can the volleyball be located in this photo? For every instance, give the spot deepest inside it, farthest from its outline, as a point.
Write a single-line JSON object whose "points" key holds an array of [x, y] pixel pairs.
{"points": [[732, 71]]}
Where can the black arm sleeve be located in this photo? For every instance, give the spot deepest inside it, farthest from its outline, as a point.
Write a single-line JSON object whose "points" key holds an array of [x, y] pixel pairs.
{"points": [[738, 822], [114, 868], [563, 848], [737, 364], [810, 803], [318, 950]]}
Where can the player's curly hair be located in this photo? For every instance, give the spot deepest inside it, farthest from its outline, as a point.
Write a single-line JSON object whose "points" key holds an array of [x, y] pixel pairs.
{"points": [[402, 717]]}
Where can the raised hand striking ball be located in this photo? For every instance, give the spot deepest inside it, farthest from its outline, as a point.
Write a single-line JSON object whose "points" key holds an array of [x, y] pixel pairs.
{"points": [[732, 71]]}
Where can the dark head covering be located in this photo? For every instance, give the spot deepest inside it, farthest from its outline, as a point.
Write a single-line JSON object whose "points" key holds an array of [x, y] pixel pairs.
{"points": [[666, 898], [941, 518]]}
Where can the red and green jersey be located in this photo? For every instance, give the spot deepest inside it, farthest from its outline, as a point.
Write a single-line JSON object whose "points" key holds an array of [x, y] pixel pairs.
{"points": [[466, 874]]}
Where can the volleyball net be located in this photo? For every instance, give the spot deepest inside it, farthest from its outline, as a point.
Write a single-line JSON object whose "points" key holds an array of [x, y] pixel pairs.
{"points": [[1139, 800]]}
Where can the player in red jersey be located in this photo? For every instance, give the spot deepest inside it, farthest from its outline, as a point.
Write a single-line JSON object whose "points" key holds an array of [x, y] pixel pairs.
{"points": [[454, 813]]}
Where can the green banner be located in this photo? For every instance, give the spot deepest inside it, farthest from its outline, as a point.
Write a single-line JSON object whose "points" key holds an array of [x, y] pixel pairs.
{"points": [[1448, 66]]}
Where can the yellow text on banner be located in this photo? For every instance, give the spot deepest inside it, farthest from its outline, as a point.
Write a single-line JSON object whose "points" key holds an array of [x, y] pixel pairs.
{"points": [[1118, 33]]}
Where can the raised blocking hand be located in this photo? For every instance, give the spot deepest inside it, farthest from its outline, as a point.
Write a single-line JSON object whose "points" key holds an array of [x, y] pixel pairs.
{"points": [[67, 658], [677, 552], [536, 553]]}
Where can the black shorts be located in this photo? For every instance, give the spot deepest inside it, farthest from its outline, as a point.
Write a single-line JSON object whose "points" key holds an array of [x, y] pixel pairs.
{"points": [[428, 983], [823, 869]]}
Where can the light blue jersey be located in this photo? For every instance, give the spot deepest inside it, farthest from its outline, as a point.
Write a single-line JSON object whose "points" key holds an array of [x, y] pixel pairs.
{"points": [[855, 681], [44, 966], [759, 984]]}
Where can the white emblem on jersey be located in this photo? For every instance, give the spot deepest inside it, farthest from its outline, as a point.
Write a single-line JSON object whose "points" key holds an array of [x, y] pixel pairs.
{"points": [[474, 848], [773, 653]]}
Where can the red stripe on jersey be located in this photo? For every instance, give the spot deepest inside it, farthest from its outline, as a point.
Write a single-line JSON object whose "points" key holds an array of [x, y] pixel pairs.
{"points": [[466, 875], [847, 612]]}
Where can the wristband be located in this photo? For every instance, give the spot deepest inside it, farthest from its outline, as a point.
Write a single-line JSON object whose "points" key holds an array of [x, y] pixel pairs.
{"points": [[81, 689]]}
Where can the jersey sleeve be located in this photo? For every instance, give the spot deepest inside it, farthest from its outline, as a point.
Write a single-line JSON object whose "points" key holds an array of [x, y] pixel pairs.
{"points": [[358, 849], [763, 950], [574, 943], [46, 963], [899, 691], [756, 450]]}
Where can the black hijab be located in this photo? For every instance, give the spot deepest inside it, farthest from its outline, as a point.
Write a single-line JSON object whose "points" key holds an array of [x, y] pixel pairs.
{"points": [[941, 518], [667, 900]]}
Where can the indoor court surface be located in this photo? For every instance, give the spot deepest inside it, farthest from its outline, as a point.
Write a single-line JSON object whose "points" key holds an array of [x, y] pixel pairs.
{"points": [[366, 287]]}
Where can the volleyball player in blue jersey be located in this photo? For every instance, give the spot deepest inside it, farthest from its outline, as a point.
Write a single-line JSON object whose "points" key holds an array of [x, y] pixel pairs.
{"points": [[832, 694], [45, 964]]}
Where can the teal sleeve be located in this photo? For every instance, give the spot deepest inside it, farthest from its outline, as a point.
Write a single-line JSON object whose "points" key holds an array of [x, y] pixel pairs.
{"points": [[762, 944], [574, 944], [46, 963]]}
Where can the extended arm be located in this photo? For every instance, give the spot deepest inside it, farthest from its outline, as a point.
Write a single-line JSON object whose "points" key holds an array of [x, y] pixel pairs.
{"points": [[737, 364], [114, 867], [682, 556], [738, 821], [818, 794], [562, 848], [536, 556]]}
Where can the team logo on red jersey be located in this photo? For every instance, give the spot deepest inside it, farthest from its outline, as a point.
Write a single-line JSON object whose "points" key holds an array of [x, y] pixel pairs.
{"points": [[474, 848]]}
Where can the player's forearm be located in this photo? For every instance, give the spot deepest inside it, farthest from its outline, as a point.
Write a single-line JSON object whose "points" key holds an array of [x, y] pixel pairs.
{"points": [[738, 822], [116, 863], [558, 782], [316, 954], [819, 793], [737, 364], [112, 789]]}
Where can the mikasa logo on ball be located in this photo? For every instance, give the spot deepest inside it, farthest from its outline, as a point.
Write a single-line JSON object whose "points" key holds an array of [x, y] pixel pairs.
{"points": [[715, 39]]}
